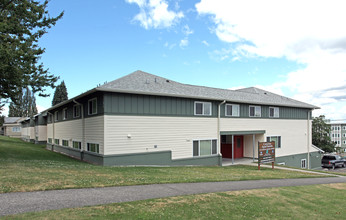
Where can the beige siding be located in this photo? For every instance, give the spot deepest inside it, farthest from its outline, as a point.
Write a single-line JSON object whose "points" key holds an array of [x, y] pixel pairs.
{"points": [[294, 133], [41, 132], [24, 132], [94, 131], [137, 134], [9, 132], [32, 132], [73, 131]]}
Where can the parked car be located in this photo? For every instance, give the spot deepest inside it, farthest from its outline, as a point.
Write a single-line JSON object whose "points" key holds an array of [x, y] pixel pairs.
{"points": [[332, 161]]}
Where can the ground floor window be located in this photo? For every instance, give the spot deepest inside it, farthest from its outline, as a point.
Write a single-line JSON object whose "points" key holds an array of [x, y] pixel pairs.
{"points": [[303, 163], [15, 129], [56, 141], [93, 147], [204, 147], [50, 140], [77, 144], [276, 139], [65, 143]]}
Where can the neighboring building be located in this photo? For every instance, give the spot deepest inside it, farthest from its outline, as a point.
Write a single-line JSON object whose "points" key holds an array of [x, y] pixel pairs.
{"points": [[143, 119], [28, 129], [338, 134], [12, 126]]}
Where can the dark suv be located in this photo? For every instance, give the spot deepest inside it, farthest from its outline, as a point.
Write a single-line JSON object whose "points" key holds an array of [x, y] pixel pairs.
{"points": [[332, 161]]}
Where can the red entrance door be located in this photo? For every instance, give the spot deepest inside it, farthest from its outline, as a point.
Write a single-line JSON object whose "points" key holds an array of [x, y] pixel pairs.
{"points": [[226, 148], [238, 147]]}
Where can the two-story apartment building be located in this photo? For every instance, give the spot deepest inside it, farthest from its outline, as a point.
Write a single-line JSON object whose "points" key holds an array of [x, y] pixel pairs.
{"points": [[143, 119]]}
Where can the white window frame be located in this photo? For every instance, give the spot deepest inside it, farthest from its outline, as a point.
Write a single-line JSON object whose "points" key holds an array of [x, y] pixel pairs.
{"points": [[64, 114], [233, 112], [93, 112], [203, 108], [62, 143], [95, 144], [199, 147], [74, 111], [303, 163], [344, 128], [277, 136], [77, 141], [56, 116], [57, 141], [276, 112], [16, 129], [256, 107], [344, 142]]}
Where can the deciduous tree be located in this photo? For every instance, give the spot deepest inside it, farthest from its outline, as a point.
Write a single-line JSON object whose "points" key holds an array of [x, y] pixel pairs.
{"points": [[320, 134]]}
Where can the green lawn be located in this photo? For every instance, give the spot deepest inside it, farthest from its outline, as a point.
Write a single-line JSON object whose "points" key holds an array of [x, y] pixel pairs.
{"points": [[29, 167], [302, 202]]}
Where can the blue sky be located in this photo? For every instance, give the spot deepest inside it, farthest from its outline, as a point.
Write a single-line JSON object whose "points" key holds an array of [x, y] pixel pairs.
{"points": [[289, 49]]}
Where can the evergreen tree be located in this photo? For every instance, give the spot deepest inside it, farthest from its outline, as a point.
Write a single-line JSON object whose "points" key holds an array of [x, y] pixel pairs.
{"points": [[25, 105], [22, 24], [321, 134], [60, 94]]}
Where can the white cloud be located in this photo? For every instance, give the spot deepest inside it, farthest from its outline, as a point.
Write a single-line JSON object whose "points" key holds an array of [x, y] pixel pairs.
{"points": [[308, 32], [184, 43], [205, 43], [155, 14]]}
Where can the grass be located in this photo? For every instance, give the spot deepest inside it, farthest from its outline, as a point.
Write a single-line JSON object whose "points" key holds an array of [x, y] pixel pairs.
{"points": [[302, 202], [29, 167]]}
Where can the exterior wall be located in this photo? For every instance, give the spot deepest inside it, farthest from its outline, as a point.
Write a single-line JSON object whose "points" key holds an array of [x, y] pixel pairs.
{"points": [[41, 133], [72, 130], [248, 144], [294, 139], [140, 134], [32, 133], [9, 132], [295, 160], [338, 135]]}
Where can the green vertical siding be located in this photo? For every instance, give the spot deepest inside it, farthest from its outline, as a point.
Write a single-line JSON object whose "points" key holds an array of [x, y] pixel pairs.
{"points": [[131, 104]]}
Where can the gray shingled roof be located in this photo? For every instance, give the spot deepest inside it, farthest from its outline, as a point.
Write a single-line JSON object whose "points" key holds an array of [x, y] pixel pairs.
{"points": [[140, 82], [11, 120]]}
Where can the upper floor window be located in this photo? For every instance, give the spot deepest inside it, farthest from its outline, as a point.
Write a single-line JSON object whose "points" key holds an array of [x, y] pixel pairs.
{"points": [[202, 108], [232, 110], [76, 111], [92, 106], [64, 114], [254, 111], [56, 116], [273, 112]]}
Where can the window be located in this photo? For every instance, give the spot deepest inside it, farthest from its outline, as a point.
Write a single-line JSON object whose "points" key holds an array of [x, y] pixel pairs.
{"points": [[65, 143], [276, 139], [344, 135], [338, 135], [56, 116], [202, 108], [77, 144], [92, 106], [76, 111], [344, 128], [255, 111], [16, 129], [50, 140], [50, 118], [204, 147], [273, 112], [232, 110], [303, 163], [56, 141], [344, 142], [64, 114], [93, 147]]}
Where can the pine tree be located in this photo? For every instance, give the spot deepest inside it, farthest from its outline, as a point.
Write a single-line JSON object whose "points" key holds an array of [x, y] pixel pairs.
{"points": [[25, 105], [60, 94]]}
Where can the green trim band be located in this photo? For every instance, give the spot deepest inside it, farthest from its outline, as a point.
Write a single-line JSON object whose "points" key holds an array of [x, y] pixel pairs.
{"points": [[242, 132]]}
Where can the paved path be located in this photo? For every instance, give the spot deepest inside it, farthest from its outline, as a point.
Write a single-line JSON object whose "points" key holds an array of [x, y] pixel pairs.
{"points": [[14, 203]]}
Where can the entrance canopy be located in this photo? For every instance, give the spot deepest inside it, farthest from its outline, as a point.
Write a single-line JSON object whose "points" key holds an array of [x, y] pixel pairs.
{"points": [[242, 132]]}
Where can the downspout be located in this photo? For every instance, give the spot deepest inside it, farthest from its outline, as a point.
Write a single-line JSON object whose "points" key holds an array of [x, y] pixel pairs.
{"points": [[83, 128], [218, 129], [308, 134], [53, 119]]}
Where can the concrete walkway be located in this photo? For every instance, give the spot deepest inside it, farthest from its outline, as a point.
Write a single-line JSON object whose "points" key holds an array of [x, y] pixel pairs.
{"points": [[14, 203]]}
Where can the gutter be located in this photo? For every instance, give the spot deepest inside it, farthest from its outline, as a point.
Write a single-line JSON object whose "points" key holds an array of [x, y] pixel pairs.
{"points": [[218, 128]]}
